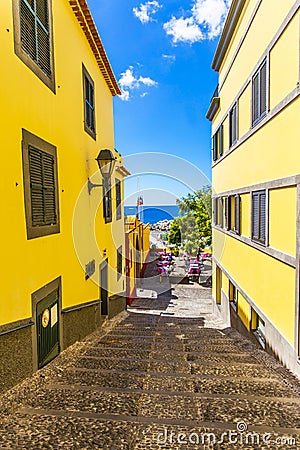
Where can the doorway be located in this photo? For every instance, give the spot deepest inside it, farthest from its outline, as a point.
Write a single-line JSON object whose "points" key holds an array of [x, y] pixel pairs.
{"points": [[103, 270]]}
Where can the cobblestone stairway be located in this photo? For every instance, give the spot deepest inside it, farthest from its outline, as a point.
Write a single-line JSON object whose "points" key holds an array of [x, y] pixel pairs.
{"points": [[156, 382]]}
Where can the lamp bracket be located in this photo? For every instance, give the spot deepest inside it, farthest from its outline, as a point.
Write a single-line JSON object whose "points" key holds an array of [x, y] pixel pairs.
{"points": [[92, 185]]}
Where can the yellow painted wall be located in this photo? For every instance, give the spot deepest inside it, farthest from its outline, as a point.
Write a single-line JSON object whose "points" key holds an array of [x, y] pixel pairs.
{"points": [[268, 282], [225, 284], [244, 310], [58, 119], [244, 108], [245, 215], [266, 149], [258, 38], [282, 227], [284, 63]]}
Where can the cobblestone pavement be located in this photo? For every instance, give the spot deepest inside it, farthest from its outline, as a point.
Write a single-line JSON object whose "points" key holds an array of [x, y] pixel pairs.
{"points": [[166, 374]]}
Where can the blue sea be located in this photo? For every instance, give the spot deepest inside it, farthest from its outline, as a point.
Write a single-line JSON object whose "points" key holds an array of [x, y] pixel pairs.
{"points": [[152, 214]]}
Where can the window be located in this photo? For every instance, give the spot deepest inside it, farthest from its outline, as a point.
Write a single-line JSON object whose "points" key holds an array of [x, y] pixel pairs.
{"points": [[33, 37], [258, 328], [259, 216], [40, 186], [218, 143], [218, 285], [233, 213], [218, 211], [118, 200], [119, 262], [259, 93], [89, 104], [233, 125], [107, 207], [233, 296]]}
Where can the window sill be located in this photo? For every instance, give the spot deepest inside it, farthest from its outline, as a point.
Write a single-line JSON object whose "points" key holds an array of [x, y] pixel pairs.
{"points": [[257, 241], [259, 119]]}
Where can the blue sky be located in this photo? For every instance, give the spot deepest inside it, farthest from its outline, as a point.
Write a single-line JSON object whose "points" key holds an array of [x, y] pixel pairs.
{"points": [[161, 53]]}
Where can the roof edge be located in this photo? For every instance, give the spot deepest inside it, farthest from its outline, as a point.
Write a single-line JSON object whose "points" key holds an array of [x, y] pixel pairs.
{"points": [[227, 32], [86, 21]]}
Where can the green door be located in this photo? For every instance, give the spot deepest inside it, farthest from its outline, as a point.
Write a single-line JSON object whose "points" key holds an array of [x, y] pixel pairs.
{"points": [[47, 314]]}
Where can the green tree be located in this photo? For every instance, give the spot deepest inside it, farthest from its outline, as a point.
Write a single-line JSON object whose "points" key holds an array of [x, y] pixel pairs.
{"points": [[175, 234], [198, 205]]}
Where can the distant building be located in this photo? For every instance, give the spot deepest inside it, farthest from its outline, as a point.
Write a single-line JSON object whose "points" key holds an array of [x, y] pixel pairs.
{"points": [[255, 113], [61, 241], [137, 252]]}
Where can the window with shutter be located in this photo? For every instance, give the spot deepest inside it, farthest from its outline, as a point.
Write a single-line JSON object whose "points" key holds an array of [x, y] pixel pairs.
{"points": [[40, 186], [218, 143], [118, 200], [237, 214], [259, 93], [215, 212], [107, 206], [119, 262], [221, 212], [33, 37], [228, 212], [259, 216], [233, 125], [89, 103], [215, 147]]}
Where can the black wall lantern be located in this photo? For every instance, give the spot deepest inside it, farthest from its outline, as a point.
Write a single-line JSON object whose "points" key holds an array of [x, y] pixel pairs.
{"points": [[106, 162]]}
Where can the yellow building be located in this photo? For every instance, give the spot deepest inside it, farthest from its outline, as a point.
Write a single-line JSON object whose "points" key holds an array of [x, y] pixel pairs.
{"points": [[62, 248], [137, 251], [255, 113]]}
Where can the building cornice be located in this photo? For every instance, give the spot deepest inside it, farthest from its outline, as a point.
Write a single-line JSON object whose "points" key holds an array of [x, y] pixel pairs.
{"points": [[86, 21], [122, 170], [231, 22]]}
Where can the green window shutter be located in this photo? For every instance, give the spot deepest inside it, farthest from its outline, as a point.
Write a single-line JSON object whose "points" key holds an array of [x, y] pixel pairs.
{"points": [[89, 104], [35, 34], [28, 29], [36, 187], [49, 189], [42, 188]]}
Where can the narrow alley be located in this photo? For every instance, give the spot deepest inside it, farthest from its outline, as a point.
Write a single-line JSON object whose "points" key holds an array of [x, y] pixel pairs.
{"points": [[165, 374]]}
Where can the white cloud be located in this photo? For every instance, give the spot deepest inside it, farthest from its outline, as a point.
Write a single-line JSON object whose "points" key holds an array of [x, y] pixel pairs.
{"points": [[147, 81], [170, 58], [125, 96], [210, 14], [146, 10], [183, 30], [144, 94], [128, 82], [205, 22], [127, 79]]}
